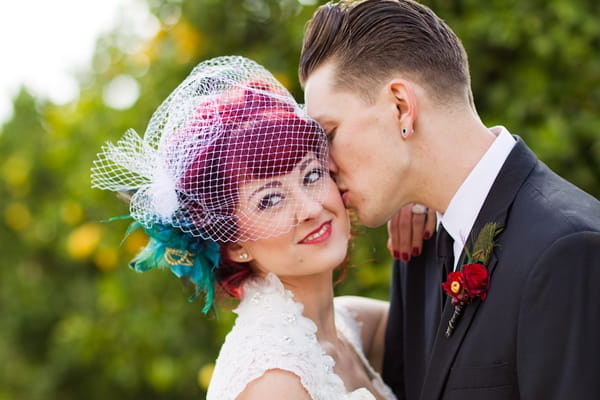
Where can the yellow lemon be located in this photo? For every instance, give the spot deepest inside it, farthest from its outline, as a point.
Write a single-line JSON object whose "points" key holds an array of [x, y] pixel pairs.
{"points": [[83, 240], [71, 212], [17, 216], [106, 258], [204, 375]]}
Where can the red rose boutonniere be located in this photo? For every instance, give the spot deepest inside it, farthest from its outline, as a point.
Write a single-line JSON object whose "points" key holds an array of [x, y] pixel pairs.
{"points": [[471, 281]]}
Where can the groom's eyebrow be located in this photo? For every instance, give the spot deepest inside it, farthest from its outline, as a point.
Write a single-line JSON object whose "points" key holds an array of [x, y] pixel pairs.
{"points": [[321, 118], [326, 122], [319, 115]]}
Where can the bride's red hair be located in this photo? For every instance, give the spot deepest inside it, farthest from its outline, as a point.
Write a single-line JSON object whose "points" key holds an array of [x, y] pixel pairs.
{"points": [[259, 136]]}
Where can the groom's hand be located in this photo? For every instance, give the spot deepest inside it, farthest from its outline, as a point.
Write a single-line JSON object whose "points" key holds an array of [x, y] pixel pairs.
{"points": [[407, 230]]}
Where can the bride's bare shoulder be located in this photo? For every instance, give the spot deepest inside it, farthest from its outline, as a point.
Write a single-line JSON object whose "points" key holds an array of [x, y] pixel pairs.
{"points": [[275, 384]]}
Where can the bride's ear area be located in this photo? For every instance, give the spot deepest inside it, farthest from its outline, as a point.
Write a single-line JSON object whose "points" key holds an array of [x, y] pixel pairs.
{"points": [[237, 253], [405, 100]]}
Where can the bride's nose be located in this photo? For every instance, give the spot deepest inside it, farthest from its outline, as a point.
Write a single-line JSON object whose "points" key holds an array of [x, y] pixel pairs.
{"points": [[308, 208]]}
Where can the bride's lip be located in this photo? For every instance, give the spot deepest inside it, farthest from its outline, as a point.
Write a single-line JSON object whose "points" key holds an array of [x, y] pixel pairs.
{"points": [[319, 235]]}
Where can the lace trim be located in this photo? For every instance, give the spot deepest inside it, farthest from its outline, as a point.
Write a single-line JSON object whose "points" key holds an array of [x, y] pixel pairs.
{"points": [[350, 328], [270, 332]]}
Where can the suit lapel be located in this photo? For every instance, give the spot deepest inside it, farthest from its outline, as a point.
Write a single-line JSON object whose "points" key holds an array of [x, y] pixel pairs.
{"points": [[421, 305], [511, 177]]}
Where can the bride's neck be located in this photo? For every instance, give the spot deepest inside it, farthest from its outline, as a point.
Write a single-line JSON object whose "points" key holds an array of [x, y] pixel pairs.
{"points": [[315, 292]]}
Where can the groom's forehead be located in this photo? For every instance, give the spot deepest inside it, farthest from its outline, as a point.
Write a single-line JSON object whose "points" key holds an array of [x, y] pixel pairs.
{"points": [[321, 79], [322, 98]]}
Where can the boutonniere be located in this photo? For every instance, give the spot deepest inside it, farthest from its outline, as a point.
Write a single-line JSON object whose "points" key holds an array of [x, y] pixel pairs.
{"points": [[471, 281]]}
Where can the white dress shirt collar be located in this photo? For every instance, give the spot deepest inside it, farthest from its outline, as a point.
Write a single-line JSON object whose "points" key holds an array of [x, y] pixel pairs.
{"points": [[466, 203]]}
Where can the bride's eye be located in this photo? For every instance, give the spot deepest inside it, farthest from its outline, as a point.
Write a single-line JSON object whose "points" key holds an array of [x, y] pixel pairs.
{"points": [[269, 201], [312, 176]]}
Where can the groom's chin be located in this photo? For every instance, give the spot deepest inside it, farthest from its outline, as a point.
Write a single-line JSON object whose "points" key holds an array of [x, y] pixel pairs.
{"points": [[370, 220]]}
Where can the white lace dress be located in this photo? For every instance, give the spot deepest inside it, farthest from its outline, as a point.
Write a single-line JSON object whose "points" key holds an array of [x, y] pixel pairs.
{"points": [[270, 332]]}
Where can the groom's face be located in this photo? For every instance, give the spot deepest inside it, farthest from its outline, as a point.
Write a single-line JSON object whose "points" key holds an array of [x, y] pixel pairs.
{"points": [[366, 153]]}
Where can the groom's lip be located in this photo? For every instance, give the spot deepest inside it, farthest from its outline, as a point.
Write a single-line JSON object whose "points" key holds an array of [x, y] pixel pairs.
{"points": [[345, 194]]}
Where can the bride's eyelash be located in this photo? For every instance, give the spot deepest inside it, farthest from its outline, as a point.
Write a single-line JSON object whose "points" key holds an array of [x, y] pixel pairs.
{"points": [[309, 178], [270, 200]]}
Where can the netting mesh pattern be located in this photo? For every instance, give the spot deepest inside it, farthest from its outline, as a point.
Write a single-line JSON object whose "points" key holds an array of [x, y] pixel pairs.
{"points": [[228, 156]]}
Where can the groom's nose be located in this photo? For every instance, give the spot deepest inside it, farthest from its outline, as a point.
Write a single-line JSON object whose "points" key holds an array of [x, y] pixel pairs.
{"points": [[333, 168]]}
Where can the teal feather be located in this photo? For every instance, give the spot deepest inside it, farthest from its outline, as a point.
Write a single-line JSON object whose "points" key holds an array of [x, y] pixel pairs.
{"points": [[192, 259], [118, 218]]}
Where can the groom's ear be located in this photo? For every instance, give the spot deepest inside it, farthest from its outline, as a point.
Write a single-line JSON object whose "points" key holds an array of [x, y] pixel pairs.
{"points": [[403, 95]]}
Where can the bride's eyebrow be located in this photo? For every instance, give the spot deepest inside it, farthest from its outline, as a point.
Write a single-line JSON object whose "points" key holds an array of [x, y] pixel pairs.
{"points": [[305, 164], [277, 184], [272, 184]]}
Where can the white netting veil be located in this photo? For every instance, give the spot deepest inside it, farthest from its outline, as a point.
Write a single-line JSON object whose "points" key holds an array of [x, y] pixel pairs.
{"points": [[228, 156]]}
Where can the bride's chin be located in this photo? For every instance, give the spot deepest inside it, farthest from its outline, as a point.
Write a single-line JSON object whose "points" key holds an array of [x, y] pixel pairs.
{"points": [[340, 258]]}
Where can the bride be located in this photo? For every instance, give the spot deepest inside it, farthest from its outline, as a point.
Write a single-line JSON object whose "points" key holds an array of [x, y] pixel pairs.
{"points": [[230, 182]]}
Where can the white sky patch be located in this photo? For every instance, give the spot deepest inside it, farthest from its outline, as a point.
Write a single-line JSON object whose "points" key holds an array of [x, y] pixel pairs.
{"points": [[43, 42], [121, 93]]}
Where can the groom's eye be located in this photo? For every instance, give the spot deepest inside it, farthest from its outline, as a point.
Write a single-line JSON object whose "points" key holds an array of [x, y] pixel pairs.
{"points": [[330, 135]]}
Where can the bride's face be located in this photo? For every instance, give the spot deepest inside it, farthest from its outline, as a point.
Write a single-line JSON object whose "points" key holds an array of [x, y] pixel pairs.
{"points": [[307, 200]]}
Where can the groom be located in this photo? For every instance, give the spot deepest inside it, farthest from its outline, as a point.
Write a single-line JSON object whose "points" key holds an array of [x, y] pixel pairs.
{"points": [[389, 82]]}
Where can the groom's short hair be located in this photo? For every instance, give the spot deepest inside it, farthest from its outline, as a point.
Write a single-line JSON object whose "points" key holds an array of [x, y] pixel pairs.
{"points": [[370, 40]]}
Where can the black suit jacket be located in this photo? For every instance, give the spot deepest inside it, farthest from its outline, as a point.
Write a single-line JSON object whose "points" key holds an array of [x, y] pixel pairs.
{"points": [[537, 335]]}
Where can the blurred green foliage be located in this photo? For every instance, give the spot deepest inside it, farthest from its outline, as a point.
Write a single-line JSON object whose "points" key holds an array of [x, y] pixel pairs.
{"points": [[77, 323]]}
